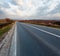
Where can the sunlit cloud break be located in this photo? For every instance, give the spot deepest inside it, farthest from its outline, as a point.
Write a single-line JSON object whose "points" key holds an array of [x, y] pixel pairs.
{"points": [[29, 8]]}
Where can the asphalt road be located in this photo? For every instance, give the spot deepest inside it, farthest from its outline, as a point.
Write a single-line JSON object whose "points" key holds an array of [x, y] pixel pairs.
{"points": [[34, 40]]}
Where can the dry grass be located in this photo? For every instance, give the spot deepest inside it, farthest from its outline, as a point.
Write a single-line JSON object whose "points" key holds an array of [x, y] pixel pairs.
{"points": [[5, 29]]}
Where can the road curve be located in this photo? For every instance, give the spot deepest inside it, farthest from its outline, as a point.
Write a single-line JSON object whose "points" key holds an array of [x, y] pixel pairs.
{"points": [[34, 40]]}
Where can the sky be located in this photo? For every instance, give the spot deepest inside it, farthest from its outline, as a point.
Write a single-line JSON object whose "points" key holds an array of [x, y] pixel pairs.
{"points": [[30, 9]]}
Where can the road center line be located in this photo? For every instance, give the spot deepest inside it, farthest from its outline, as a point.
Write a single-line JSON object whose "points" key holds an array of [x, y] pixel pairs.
{"points": [[44, 31]]}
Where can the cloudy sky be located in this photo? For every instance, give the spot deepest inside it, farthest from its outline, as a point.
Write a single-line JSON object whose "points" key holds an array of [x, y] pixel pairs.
{"points": [[30, 9]]}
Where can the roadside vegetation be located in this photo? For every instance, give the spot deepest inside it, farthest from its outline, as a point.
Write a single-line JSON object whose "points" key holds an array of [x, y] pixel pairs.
{"points": [[52, 25], [5, 26], [49, 23], [4, 30]]}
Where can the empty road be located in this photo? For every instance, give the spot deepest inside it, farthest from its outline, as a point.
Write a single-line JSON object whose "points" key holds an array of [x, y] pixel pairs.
{"points": [[34, 40]]}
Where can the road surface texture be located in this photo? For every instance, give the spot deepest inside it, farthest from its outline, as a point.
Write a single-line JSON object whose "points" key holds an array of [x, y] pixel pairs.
{"points": [[34, 40]]}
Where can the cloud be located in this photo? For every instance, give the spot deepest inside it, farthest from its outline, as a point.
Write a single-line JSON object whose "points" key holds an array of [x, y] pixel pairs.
{"points": [[54, 15], [29, 8]]}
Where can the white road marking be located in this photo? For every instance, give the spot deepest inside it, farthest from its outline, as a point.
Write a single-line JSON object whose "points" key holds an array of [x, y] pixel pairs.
{"points": [[15, 40], [45, 31]]}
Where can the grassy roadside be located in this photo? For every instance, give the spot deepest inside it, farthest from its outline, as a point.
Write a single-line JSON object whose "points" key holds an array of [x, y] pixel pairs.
{"points": [[58, 27], [53, 26], [4, 30], [43, 24]]}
